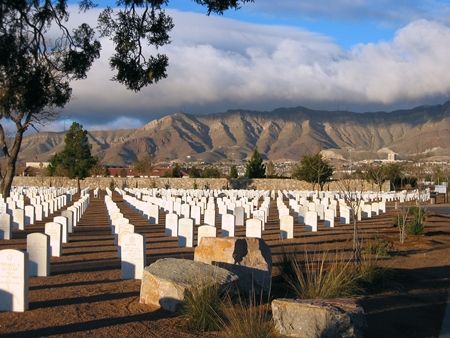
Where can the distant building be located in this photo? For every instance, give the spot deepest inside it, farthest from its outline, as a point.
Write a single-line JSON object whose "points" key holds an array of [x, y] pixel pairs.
{"points": [[121, 172], [37, 165], [392, 157]]}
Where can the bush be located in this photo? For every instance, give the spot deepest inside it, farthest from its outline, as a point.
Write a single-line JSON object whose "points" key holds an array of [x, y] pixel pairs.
{"points": [[415, 225], [378, 246], [318, 279], [371, 276], [247, 320], [338, 278], [202, 308]]}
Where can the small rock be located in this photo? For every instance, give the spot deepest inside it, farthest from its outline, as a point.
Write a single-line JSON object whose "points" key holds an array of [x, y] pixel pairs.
{"points": [[318, 318], [249, 258], [166, 281]]}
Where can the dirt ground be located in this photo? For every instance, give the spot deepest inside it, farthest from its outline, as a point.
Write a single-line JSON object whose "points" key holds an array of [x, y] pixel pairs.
{"points": [[84, 296]]}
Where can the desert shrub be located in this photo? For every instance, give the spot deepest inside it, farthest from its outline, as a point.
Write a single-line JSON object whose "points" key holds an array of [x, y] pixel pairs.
{"points": [[415, 225], [202, 308], [310, 278], [378, 246], [372, 276], [247, 319]]}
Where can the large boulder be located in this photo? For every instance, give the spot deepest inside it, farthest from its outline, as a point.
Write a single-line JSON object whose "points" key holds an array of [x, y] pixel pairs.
{"points": [[249, 258], [165, 282], [318, 318]]}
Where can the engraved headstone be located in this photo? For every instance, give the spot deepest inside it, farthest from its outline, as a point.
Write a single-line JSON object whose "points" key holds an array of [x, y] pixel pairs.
{"points": [[13, 280]]}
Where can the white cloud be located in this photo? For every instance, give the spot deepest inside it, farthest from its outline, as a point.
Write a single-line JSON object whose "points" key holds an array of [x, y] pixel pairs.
{"points": [[223, 63]]}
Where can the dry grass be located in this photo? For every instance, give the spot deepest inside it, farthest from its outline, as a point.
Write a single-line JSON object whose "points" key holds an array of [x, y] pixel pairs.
{"points": [[202, 308], [320, 278], [247, 319]]}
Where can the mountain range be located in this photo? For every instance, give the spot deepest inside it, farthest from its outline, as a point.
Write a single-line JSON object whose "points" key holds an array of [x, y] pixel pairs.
{"points": [[281, 134]]}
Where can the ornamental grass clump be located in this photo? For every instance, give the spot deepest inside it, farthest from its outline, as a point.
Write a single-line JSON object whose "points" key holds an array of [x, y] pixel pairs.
{"points": [[319, 278], [247, 319], [202, 308]]}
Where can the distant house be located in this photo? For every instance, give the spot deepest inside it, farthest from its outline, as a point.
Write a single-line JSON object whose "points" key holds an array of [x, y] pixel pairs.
{"points": [[164, 172], [159, 172], [121, 172]]}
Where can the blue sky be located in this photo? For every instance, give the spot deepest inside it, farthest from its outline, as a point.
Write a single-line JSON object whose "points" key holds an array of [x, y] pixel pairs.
{"points": [[362, 55]]}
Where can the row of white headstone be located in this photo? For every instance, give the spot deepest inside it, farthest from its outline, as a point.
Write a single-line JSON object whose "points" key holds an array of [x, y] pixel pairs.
{"points": [[131, 246], [16, 266], [12, 218]]}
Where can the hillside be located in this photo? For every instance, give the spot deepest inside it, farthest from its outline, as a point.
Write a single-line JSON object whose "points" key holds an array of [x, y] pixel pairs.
{"points": [[285, 133]]}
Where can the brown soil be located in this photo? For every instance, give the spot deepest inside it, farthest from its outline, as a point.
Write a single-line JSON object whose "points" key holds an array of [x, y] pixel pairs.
{"points": [[85, 296]]}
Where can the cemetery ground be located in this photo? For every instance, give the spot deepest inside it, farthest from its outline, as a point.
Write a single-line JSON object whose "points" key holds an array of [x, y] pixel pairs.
{"points": [[85, 295]]}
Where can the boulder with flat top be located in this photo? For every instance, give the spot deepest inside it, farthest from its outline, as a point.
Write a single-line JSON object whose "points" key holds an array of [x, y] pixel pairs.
{"points": [[166, 282]]}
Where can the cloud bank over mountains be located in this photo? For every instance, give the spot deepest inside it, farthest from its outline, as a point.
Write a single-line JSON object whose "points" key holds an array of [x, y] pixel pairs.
{"points": [[218, 63]]}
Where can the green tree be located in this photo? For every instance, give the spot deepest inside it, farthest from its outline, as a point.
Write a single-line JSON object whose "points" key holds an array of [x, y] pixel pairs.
{"points": [[40, 56], [195, 172], [75, 159], [176, 171], [233, 172], [377, 174], [313, 169], [255, 167], [395, 174], [143, 166], [99, 170], [211, 172]]}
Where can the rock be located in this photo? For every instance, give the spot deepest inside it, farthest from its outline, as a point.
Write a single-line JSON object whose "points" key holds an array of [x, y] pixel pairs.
{"points": [[318, 318], [166, 281], [248, 258]]}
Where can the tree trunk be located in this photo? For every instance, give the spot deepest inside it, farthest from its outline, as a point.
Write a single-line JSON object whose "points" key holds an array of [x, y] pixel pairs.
{"points": [[78, 185], [7, 180]]}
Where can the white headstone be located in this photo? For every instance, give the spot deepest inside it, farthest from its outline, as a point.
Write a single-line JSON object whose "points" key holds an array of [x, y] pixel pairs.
{"points": [[286, 227], [253, 228], [210, 217], [153, 213], [39, 212], [18, 219], [228, 225], [196, 214], [69, 215], [65, 229], [185, 210], [239, 213], [171, 225], [132, 256], [329, 218], [311, 221], [344, 215], [29, 215], [205, 231], [54, 230], [185, 233], [366, 211], [13, 280], [5, 226], [38, 248]]}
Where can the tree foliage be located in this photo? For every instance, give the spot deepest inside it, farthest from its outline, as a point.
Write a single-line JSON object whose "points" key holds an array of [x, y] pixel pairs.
{"points": [[40, 55], [255, 167], [313, 169], [143, 166], [233, 172], [75, 161], [376, 173]]}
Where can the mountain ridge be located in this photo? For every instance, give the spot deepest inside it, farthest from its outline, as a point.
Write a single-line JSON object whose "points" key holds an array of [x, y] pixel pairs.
{"points": [[283, 133]]}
